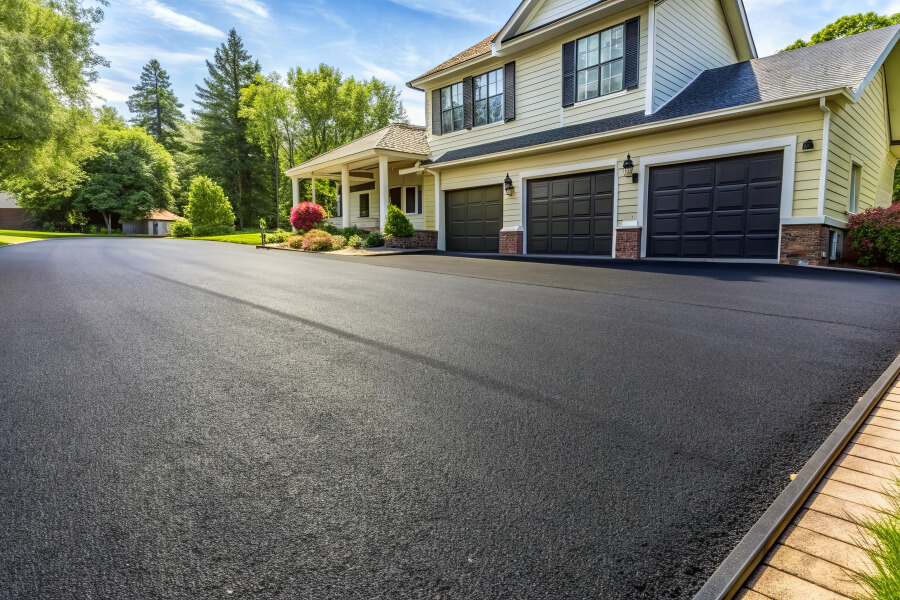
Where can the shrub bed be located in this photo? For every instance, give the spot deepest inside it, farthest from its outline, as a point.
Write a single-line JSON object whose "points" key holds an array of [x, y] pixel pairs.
{"points": [[375, 240], [397, 224], [306, 215], [875, 235], [317, 240]]}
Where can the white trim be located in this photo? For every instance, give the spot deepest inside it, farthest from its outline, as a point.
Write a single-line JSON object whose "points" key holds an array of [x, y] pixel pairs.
{"points": [[438, 211], [789, 144], [595, 165], [651, 57], [418, 199], [383, 190], [610, 96], [823, 167], [629, 225], [855, 186], [513, 229], [875, 67], [820, 220]]}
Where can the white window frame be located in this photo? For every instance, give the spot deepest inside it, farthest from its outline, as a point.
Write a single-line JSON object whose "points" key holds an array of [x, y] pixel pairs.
{"points": [[856, 171], [418, 200], [487, 99], [600, 63], [453, 107]]}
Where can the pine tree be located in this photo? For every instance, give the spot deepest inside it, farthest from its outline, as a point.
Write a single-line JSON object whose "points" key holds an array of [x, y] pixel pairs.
{"points": [[155, 107], [226, 153]]}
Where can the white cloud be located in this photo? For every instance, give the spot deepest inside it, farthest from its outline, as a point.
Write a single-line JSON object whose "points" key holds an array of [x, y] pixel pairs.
{"points": [[242, 7], [121, 53], [448, 8], [174, 20], [109, 90]]}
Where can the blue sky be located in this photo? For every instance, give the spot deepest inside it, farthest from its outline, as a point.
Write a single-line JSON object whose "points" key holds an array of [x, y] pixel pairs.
{"points": [[394, 40]]}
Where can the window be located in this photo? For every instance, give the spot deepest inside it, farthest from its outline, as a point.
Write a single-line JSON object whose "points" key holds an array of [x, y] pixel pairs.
{"points": [[452, 108], [363, 205], [411, 200], [394, 196], [600, 63], [489, 98], [855, 177]]}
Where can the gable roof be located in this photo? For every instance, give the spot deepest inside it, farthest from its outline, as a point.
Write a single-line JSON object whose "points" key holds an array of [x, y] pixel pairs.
{"points": [[843, 64], [480, 49], [396, 137], [162, 215]]}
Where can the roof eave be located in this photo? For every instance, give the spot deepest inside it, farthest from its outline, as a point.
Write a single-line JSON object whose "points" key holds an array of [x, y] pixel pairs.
{"points": [[307, 169], [648, 128]]}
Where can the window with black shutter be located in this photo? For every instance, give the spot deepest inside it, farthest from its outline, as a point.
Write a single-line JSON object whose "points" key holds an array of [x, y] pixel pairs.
{"points": [[452, 108], [489, 93], [363, 205], [602, 63]]}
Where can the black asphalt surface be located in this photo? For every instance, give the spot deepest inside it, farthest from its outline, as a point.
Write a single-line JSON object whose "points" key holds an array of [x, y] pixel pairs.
{"points": [[187, 419]]}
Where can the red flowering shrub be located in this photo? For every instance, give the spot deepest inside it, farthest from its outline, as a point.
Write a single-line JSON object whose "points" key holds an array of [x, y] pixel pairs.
{"points": [[307, 215], [317, 240], [875, 234]]}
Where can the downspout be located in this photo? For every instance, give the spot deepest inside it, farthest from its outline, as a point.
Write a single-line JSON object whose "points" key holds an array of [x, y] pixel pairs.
{"points": [[823, 169]]}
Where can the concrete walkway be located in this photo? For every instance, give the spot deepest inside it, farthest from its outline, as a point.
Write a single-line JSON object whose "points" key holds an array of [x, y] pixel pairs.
{"points": [[815, 557]]}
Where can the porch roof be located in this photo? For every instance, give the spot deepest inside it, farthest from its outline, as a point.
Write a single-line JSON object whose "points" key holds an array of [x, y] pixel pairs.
{"points": [[400, 140]]}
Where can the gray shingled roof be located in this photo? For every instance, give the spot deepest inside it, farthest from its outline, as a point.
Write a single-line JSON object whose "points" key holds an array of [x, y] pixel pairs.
{"points": [[398, 137], [842, 63]]}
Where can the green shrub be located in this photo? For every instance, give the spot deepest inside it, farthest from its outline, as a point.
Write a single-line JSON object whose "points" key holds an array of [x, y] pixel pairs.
{"points": [[338, 242], [95, 229], [278, 237], [208, 209], [375, 240], [295, 242], [349, 232], [354, 241], [317, 240], [875, 234], [329, 228], [397, 225], [180, 228]]}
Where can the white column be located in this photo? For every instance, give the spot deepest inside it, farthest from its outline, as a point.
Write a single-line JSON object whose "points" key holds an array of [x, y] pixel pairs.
{"points": [[439, 211], [345, 196], [313, 180], [382, 190], [295, 191]]}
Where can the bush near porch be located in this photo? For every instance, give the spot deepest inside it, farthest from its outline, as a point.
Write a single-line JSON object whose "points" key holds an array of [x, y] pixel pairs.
{"points": [[397, 224], [875, 235]]}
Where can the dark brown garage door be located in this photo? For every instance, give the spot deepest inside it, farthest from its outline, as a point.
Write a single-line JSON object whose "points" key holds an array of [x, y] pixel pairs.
{"points": [[571, 214], [724, 208], [474, 216]]}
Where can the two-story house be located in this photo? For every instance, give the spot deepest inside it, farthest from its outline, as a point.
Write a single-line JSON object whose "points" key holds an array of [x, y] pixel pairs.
{"points": [[636, 128]]}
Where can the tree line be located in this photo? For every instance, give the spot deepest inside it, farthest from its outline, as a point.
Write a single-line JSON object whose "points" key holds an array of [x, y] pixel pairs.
{"points": [[62, 160]]}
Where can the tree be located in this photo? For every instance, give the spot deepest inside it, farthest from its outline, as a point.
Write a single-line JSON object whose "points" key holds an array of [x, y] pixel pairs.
{"points": [[227, 155], [187, 162], [131, 175], [848, 25], [268, 107], [155, 107], [208, 209], [47, 61], [333, 111]]}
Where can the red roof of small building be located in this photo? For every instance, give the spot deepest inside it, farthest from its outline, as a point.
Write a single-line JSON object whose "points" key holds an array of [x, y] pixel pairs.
{"points": [[163, 215]]}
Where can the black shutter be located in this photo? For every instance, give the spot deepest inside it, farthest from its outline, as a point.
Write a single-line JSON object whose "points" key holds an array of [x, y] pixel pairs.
{"points": [[436, 112], [568, 71], [509, 91], [632, 53], [468, 103]]}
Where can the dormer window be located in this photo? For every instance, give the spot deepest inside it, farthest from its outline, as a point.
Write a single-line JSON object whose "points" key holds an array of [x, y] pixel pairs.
{"points": [[600, 63], [489, 98], [452, 108]]}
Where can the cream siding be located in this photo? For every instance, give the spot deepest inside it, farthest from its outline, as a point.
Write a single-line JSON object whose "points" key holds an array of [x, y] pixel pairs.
{"points": [[429, 204], [691, 36], [553, 10], [802, 124], [859, 131], [394, 180], [539, 92]]}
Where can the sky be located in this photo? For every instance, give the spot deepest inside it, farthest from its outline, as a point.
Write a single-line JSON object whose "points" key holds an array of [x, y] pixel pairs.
{"points": [[394, 40]]}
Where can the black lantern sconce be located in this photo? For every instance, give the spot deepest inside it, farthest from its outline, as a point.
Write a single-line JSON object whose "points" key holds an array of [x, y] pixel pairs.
{"points": [[808, 145], [508, 186], [628, 169]]}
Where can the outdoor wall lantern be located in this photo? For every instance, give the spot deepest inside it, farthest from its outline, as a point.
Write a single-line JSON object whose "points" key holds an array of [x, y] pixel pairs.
{"points": [[628, 169], [808, 145], [508, 186]]}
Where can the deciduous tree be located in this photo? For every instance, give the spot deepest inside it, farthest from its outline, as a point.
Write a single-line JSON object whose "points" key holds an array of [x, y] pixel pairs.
{"points": [[848, 25]]}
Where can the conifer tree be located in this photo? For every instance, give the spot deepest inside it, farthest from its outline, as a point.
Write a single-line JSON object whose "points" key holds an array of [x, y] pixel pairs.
{"points": [[155, 107]]}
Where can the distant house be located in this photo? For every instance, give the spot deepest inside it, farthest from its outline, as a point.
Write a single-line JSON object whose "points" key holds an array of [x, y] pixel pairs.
{"points": [[11, 216], [157, 223]]}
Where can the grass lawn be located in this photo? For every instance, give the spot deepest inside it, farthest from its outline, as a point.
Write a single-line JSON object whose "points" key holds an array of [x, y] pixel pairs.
{"points": [[250, 239], [12, 236]]}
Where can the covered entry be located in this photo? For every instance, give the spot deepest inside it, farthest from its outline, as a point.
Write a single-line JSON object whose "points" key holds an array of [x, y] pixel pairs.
{"points": [[720, 208], [474, 217], [571, 214]]}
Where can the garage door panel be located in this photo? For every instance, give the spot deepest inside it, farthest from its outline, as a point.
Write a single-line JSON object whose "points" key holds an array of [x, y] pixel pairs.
{"points": [[559, 227], [581, 208], [582, 228], [559, 208], [560, 189], [559, 244], [605, 183], [603, 244], [540, 191], [539, 245], [741, 221], [540, 228], [581, 186], [474, 217], [667, 178], [697, 199], [603, 205], [603, 227], [540, 210]]}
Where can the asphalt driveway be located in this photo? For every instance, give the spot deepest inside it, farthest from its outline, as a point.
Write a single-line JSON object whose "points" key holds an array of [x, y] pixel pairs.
{"points": [[187, 419]]}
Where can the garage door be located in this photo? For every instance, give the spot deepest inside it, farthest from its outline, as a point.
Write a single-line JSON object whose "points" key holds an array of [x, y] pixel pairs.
{"points": [[474, 219], [723, 208], [571, 214]]}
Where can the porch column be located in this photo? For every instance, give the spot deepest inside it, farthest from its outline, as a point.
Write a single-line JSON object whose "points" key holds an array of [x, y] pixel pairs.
{"points": [[295, 191], [313, 180], [382, 190], [345, 196], [438, 211]]}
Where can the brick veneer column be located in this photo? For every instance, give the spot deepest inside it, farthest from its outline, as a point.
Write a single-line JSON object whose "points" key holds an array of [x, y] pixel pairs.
{"points": [[511, 242], [628, 243], [804, 243]]}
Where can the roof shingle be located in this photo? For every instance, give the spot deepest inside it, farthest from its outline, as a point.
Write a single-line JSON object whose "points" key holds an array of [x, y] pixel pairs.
{"points": [[480, 49], [398, 137]]}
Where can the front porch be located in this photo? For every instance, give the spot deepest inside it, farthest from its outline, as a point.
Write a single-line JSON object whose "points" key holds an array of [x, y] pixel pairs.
{"points": [[373, 172]]}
